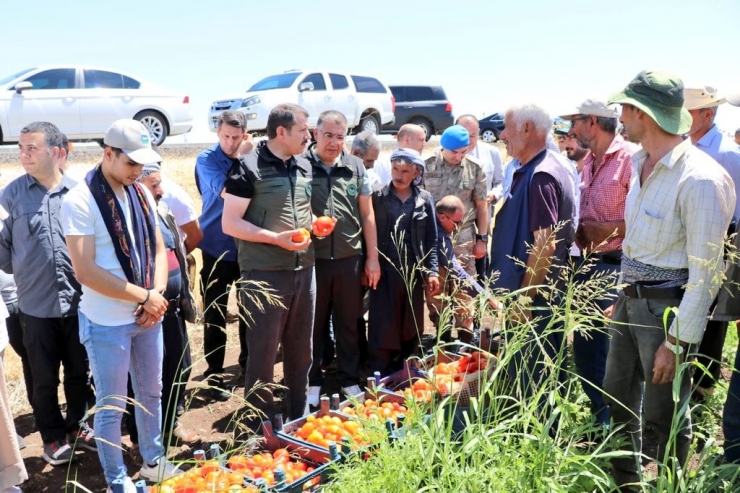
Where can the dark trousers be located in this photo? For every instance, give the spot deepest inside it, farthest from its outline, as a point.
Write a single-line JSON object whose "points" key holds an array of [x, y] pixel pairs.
{"points": [[591, 347], [176, 362], [291, 326], [339, 295], [731, 415], [15, 338], [710, 354], [217, 277], [50, 342], [396, 322]]}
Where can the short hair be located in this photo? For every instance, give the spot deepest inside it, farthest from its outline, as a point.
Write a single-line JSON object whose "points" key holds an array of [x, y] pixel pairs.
{"points": [[283, 115], [737, 132], [714, 111], [65, 143], [466, 115], [531, 112], [607, 124], [235, 119], [364, 141], [52, 134], [332, 116], [449, 204], [407, 129]]}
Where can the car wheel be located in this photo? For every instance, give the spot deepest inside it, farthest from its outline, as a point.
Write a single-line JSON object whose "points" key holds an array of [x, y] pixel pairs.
{"points": [[155, 124], [425, 124], [369, 123], [488, 135]]}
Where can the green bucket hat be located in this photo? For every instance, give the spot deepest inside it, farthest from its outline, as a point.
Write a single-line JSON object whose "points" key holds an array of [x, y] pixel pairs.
{"points": [[660, 95]]}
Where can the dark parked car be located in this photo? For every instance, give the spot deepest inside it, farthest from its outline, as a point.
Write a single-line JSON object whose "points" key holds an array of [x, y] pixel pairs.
{"points": [[426, 106], [491, 127]]}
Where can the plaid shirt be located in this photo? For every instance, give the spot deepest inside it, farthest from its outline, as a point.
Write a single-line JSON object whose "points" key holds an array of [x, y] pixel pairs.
{"points": [[678, 219], [603, 193]]}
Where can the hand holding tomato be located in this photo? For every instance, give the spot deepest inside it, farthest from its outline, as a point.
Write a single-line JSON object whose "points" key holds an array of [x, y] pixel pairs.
{"points": [[287, 240], [323, 226]]}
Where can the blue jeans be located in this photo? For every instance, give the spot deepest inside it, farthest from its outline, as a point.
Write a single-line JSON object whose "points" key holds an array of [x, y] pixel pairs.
{"points": [[731, 415], [113, 353], [590, 348]]}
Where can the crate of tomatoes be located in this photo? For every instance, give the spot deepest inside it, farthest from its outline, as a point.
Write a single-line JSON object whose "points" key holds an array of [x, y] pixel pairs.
{"points": [[319, 429], [283, 465], [463, 377]]}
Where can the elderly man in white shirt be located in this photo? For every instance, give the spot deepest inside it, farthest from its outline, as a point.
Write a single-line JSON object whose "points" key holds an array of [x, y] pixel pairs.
{"points": [[678, 208], [703, 103]]}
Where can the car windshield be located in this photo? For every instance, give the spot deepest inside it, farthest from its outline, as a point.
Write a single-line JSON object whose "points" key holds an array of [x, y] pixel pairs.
{"points": [[280, 81], [14, 76]]}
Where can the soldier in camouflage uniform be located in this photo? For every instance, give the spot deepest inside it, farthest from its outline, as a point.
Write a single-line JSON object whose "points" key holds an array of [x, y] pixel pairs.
{"points": [[450, 172]]}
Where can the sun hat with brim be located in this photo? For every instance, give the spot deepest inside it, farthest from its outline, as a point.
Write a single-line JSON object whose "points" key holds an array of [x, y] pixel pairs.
{"points": [[701, 98], [660, 96], [733, 99], [592, 107], [133, 139]]}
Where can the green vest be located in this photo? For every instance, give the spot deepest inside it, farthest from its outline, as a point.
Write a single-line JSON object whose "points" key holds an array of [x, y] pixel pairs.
{"points": [[337, 194], [281, 202]]}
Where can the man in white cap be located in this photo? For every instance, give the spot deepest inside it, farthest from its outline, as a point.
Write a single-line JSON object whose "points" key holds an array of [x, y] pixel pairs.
{"points": [[119, 257], [678, 208], [703, 103], [604, 185]]}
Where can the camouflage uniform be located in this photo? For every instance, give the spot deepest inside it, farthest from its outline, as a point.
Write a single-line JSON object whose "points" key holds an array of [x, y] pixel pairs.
{"points": [[468, 182]]}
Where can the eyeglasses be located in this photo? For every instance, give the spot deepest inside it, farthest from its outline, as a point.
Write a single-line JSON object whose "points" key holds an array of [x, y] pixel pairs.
{"points": [[456, 223]]}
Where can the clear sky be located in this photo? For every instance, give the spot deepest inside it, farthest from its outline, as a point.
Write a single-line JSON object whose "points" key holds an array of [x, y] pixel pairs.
{"points": [[487, 54]]}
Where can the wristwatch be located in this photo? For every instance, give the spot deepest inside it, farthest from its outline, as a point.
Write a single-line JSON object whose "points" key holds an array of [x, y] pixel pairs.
{"points": [[674, 348], [483, 238]]}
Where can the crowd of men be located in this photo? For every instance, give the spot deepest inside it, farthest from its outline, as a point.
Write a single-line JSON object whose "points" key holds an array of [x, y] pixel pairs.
{"points": [[314, 236]]}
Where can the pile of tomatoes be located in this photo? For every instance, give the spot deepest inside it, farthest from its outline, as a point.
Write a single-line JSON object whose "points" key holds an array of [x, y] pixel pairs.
{"points": [[324, 429], [420, 391], [208, 476], [263, 466], [471, 363], [376, 411]]}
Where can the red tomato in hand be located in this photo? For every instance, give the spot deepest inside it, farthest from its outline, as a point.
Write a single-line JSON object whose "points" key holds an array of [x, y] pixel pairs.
{"points": [[324, 225], [301, 236]]}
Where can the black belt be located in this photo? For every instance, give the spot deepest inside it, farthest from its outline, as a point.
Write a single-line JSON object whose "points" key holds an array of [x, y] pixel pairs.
{"points": [[613, 258], [642, 291]]}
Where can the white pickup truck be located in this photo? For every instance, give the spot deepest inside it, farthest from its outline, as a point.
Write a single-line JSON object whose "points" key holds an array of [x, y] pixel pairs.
{"points": [[365, 101]]}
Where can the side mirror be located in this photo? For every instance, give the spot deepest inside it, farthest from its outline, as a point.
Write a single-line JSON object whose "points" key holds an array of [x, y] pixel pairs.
{"points": [[305, 86], [23, 86]]}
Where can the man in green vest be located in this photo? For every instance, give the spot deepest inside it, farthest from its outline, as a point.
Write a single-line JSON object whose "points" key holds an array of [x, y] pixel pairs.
{"points": [[266, 205], [341, 191]]}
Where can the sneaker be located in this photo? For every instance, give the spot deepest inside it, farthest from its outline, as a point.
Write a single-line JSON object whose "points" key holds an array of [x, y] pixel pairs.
{"points": [[352, 391], [57, 453], [314, 396], [159, 472], [12, 489], [128, 486], [83, 438]]}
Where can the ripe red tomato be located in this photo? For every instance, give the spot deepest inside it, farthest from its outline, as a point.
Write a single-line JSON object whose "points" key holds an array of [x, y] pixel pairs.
{"points": [[301, 236], [324, 225]]}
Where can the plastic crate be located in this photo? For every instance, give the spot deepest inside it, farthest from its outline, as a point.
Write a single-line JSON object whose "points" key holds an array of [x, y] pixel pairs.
{"points": [[319, 459], [471, 383], [288, 430]]}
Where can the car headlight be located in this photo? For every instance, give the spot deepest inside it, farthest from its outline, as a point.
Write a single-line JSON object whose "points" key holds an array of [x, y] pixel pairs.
{"points": [[250, 101]]}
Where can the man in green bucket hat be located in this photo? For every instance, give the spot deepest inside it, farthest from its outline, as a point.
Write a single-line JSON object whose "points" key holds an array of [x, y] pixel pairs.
{"points": [[677, 212]]}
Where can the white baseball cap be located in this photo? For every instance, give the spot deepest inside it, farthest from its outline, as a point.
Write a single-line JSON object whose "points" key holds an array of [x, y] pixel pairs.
{"points": [[592, 107], [132, 138]]}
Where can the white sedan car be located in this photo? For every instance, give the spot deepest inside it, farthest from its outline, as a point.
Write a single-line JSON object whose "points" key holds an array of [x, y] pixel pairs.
{"points": [[83, 101]]}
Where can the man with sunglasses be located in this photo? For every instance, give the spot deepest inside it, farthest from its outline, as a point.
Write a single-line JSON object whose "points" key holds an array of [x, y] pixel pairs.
{"points": [[604, 185]]}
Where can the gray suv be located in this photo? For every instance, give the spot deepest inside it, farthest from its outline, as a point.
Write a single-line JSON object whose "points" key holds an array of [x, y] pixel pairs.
{"points": [[426, 106]]}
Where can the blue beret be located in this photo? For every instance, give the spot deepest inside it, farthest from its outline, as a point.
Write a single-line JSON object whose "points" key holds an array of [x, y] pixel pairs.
{"points": [[455, 137]]}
